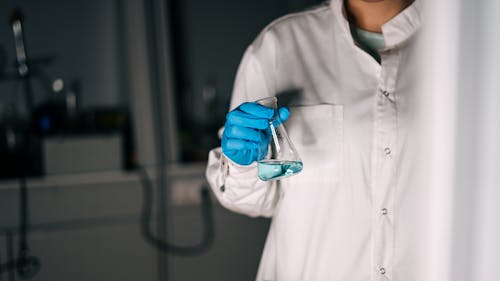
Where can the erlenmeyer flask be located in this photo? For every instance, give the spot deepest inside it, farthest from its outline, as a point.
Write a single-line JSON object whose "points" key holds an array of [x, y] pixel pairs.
{"points": [[282, 160]]}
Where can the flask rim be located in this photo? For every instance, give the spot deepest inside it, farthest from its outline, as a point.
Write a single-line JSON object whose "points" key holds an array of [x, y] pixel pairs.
{"points": [[271, 102]]}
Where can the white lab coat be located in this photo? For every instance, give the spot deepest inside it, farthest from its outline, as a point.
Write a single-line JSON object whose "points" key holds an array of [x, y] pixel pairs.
{"points": [[348, 215]]}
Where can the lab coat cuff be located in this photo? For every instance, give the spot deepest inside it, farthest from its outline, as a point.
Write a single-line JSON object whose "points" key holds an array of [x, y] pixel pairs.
{"points": [[231, 168]]}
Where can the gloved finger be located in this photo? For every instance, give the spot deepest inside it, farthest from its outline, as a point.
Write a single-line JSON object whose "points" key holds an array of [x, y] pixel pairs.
{"points": [[242, 157], [240, 118], [238, 144], [257, 110], [238, 132], [284, 113]]}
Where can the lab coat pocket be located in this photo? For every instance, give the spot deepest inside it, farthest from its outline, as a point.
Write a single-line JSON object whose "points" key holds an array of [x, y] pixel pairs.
{"points": [[317, 133]]}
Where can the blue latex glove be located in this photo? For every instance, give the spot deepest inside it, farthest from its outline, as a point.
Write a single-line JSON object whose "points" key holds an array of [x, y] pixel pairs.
{"points": [[246, 132]]}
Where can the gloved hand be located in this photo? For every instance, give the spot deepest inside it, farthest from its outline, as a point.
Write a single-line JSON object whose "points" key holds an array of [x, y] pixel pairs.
{"points": [[246, 132]]}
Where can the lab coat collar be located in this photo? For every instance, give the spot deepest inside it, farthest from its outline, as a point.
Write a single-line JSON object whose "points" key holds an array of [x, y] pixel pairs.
{"points": [[396, 31]]}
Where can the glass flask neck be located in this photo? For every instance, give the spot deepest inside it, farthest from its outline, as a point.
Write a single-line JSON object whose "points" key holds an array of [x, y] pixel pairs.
{"points": [[271, 102]]}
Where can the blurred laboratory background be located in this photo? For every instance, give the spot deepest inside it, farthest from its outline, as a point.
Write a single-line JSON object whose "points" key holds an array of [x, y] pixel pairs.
{"points": [[107, 112]]}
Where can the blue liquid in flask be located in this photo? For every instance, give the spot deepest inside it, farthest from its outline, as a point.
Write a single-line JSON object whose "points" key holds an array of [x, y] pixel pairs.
{"points": [[275, 169]]}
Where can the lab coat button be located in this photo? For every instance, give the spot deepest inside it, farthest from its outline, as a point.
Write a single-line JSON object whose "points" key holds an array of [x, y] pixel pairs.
{"points": [[387, 151], [382, 270], [384, 211], [223, 188], [385, 93]]}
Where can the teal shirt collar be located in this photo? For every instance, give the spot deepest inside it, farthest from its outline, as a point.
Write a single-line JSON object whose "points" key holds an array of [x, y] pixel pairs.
{"points": [[370, 42]]}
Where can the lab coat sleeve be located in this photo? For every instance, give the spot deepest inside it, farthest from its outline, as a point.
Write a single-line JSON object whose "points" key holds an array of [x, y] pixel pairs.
{"points": [[238, 187]]}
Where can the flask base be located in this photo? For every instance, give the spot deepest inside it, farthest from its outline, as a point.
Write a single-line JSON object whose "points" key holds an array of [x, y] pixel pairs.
{"points": [[278, 169]]}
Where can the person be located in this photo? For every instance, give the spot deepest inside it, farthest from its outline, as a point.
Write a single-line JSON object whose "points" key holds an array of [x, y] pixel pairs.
{"points": [[345, 70]]}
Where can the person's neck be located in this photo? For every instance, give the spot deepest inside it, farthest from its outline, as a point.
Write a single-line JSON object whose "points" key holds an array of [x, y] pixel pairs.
{"points": [[370, 15]]}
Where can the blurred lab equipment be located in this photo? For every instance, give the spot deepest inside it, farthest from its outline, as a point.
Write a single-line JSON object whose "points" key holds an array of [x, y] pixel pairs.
{"points": [[26, 265], [83, 140], [165, 246], [76, 154], [54, 128], [282, 159], [164, 154], [22, 148], [36, 130], [18, 146]]}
